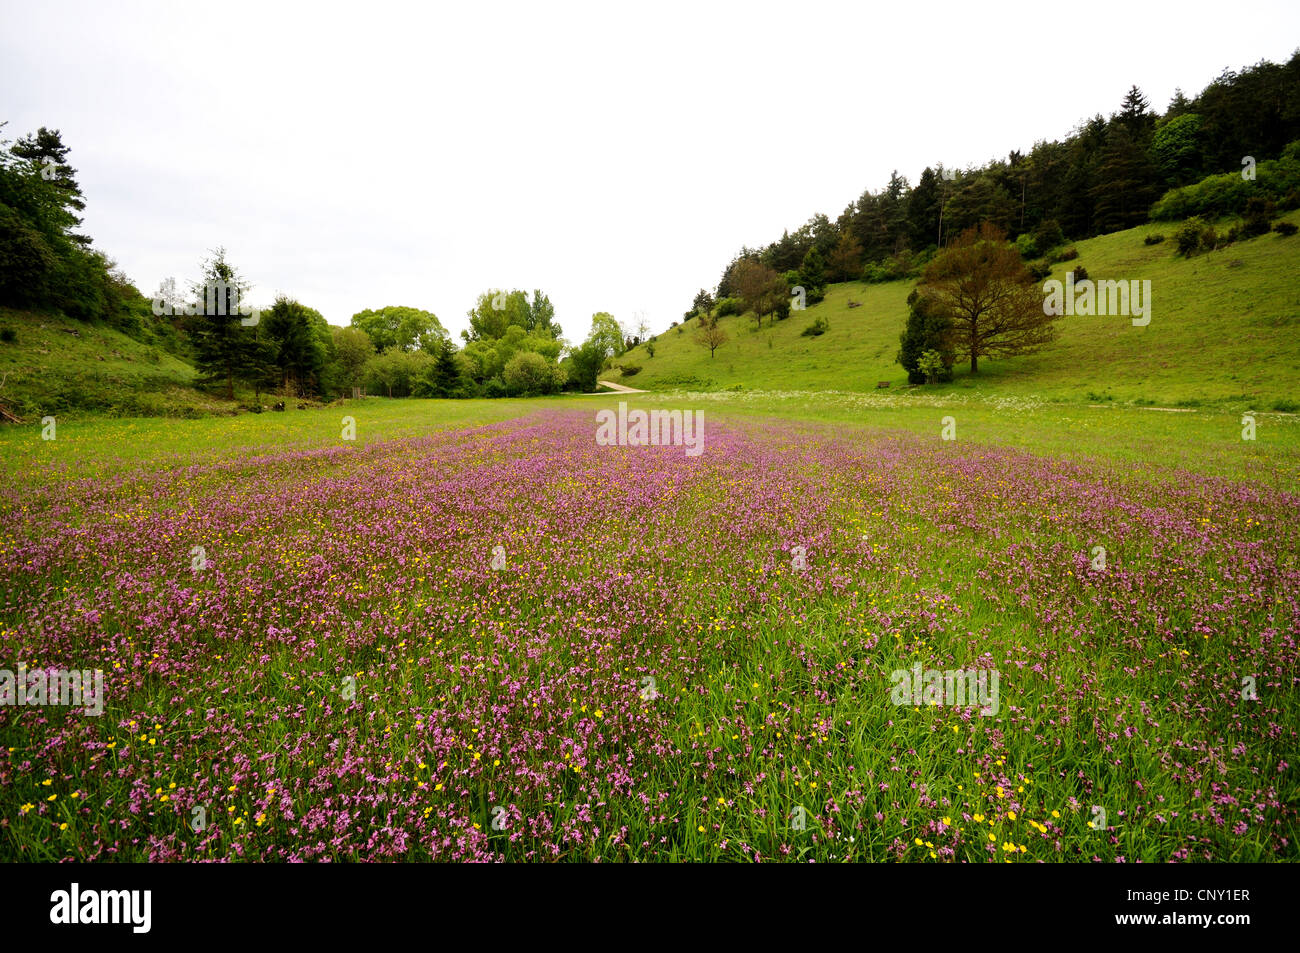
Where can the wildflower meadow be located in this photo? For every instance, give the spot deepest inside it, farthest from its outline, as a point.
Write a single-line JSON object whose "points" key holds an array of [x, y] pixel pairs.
{"points": [[477, 633]]}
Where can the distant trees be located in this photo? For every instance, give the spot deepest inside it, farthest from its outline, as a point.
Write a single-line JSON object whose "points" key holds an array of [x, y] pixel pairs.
{"points": [[1102, 177], [585, 362], [980, 284], [528, 374], [352, 349], [812, 275], [404, 328]]}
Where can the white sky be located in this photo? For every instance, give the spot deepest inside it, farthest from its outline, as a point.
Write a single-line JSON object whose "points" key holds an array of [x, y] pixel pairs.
{"points": [[366, 154]]}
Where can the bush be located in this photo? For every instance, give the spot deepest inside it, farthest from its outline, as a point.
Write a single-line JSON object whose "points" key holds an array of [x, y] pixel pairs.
{"points": [[631, 370], [495, 387], [903, 264], [1068, 254], [818, 327], [1285, 229], [1027, 245], [1228, 193], [1188, 237], [8, 335], [1259, 212], [1080, 274], [729, 306], [1039, 270], [529, 374], [1153, 239], [1048, 235]]}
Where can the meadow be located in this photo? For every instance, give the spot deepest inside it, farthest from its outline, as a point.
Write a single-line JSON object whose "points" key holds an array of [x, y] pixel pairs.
{"points": [[472, 633]]}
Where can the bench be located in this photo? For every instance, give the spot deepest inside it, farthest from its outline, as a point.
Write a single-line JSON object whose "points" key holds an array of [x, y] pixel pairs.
{"points": [[881, 384]]}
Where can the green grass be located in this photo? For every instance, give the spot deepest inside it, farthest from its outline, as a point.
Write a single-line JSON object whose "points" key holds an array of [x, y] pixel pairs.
{"points": [[50, 370], [1223, 331], [784, 684]]}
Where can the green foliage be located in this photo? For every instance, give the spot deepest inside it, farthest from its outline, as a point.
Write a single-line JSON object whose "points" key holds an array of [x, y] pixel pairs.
{"points": [[444, 377], [496, 311], [1189, 236], [728, 307], [528, 374], [1228, 193], [928, 330], [932, 366], [397, 373], [352, 349], [299, 354], [819, 327], [1176, 148], [407, 329], [584, 364]]}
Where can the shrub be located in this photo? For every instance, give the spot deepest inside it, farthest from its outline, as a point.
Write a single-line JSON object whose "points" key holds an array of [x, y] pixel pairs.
{"points": [[818, 327], [1188, 237], [1080, 274], [1039, 270], [931, 365], [495, 387], [8, 335], [529, 374], [631, 370], [1259, 211], [1153, 239], [1067, 254], [729, 306], [1048, 235], [1027, 245], [1285, 229]]}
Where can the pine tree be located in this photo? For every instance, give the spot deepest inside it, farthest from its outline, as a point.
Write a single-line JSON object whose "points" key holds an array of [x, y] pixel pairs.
{"points": [[47, 151]]}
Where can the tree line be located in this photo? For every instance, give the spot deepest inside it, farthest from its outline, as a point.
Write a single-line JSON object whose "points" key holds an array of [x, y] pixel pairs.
{"points": [[513, 346], [1103, 177]]}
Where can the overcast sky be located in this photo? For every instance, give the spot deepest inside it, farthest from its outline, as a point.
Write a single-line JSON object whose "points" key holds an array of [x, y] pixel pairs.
{"points": [[366, 154]]}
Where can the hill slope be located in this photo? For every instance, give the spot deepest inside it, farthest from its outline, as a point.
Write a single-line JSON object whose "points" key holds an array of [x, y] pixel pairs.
{"points": [[1225, 328], [57, 364]]}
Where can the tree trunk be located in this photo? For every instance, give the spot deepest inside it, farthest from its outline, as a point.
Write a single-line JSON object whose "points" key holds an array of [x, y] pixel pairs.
{"points": [[974, 364]]}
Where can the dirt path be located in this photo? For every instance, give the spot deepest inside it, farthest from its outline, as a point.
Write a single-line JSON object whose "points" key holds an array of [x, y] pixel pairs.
{"points": [[619, 388]]}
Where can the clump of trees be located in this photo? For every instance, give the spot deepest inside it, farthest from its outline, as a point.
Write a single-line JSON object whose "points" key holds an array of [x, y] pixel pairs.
{"points": [[45, 262], [975, 299]]}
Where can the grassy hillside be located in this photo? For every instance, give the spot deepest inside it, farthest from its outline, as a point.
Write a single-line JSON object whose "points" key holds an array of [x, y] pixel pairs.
{"points": [[1223, 330], [56, 365]]}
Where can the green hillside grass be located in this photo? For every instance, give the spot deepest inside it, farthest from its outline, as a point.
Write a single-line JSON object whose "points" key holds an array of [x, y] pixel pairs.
{"points": [[49, 369], [1223, 331]]}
